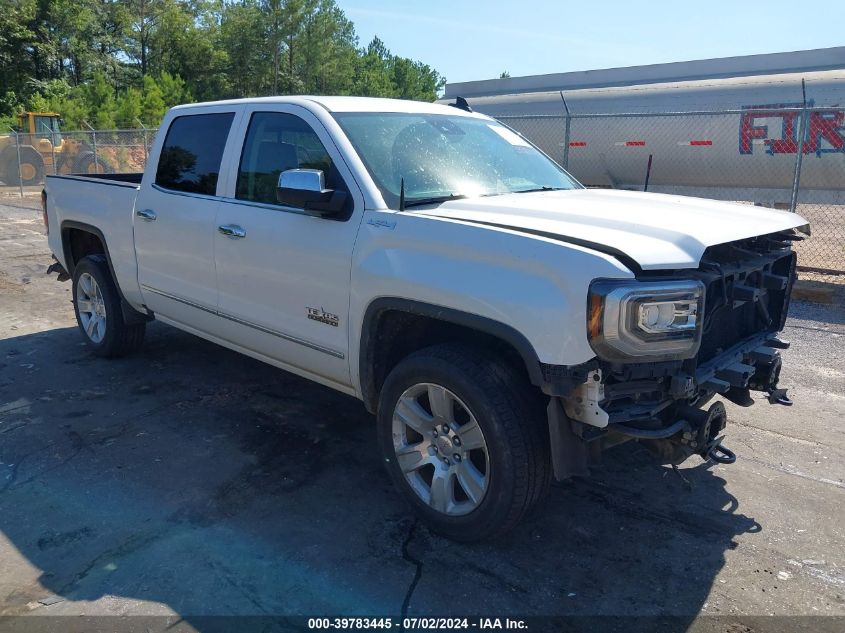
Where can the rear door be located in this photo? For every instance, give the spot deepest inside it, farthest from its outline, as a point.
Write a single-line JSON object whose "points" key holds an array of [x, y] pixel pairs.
{"points": [[283, 280], [174, 219]]}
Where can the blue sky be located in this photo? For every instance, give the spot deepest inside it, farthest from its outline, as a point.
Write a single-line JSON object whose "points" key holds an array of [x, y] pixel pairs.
{"points": [[479, 40]]}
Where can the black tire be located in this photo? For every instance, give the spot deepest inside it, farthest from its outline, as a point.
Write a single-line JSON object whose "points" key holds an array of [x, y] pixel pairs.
{"points": [[31, 168], [86, 164], [8, 169], [511, 417], [120, 338]]}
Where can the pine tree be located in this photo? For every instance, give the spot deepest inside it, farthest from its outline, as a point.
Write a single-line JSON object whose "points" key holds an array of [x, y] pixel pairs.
{"points": [[152, 103], [173, 90], [100, 104], [98, 61], [128, 112]]}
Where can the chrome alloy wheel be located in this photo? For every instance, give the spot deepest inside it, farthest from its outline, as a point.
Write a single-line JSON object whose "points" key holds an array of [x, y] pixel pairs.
{"points": [[441, 449], [91, 307]]}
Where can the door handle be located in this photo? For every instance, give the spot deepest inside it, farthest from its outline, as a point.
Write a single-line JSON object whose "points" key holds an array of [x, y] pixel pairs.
{"points": [[232, 230], [146, 214]]}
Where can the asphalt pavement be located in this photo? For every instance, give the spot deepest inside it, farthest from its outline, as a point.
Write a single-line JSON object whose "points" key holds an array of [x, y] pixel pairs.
{"points": [[188, 480]]}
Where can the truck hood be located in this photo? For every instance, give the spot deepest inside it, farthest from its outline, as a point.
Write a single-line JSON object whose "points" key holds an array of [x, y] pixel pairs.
{"points": [[656, 231]]}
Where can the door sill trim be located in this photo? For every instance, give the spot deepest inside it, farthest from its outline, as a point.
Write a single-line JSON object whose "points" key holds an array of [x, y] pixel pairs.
{"points": [[287, 337]]}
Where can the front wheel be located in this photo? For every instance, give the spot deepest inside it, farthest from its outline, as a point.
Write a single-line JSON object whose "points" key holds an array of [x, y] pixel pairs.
{"points": [[29, 171], [464, 441], [98, 311]]}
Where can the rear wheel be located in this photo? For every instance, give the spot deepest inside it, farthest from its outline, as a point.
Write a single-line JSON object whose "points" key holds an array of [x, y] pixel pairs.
{"points": [[463, 442], [98, 311]]}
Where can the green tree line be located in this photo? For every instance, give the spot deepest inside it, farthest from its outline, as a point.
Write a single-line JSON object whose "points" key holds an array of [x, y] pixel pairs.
{"points": [[113, 63]]}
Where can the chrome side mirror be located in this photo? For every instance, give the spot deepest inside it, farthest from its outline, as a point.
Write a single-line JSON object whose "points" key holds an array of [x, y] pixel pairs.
{"points": [[306, 189], [303, 180]]}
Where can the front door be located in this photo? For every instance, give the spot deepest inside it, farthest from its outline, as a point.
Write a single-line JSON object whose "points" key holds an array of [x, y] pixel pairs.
{"points": [[175, 221], [283, 276]]}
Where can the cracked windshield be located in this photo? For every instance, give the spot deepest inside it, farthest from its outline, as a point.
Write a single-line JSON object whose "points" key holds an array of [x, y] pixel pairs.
{"points": [[439, 157]]}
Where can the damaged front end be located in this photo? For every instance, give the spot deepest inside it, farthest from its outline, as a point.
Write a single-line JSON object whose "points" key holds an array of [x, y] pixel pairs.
{"points": [[665, 345]]}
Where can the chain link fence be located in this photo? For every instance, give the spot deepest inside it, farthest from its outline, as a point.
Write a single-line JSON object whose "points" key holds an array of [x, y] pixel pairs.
{"points": [[26, 159], [748, 155]]}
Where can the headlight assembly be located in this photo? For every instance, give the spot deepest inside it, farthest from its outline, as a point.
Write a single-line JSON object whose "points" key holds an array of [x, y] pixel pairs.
{"points": [[628, 320]]}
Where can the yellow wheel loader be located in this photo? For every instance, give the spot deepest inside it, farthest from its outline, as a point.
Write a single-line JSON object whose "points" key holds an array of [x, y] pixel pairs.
{"points": [[43, 149]]}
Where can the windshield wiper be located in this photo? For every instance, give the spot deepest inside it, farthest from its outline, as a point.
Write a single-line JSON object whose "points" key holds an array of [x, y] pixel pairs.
{"points": [[418, 202], [543, 188]]}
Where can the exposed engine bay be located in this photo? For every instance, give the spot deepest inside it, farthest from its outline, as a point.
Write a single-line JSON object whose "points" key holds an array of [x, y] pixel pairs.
{"points": [[747, 285]]}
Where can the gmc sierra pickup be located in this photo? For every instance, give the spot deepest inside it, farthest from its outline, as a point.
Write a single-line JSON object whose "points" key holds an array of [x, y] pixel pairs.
{"points": [[502, 322]]}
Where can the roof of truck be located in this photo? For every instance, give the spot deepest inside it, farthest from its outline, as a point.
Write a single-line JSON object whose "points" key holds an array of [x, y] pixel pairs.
{"points": [[341, 104]]}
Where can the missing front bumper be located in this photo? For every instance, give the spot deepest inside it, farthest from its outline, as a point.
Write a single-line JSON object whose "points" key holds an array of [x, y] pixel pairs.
{"points": [[586, 421]]}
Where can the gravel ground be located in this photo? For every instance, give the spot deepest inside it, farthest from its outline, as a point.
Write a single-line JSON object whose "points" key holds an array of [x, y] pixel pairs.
{"points": [[188, 480], [826, 248]]}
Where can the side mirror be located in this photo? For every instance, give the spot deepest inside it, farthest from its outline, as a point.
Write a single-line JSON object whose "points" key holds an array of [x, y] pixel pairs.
{"points": [[306, 189]]}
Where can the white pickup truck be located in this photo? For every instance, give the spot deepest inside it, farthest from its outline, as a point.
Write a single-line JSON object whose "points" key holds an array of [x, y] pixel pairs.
{"points": [[502, 322]]}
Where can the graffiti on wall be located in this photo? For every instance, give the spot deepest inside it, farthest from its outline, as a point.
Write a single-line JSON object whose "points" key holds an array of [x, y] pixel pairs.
{"points": [[775, 127]]}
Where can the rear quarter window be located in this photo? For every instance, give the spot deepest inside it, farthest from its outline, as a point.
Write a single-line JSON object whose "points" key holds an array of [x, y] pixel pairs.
{"points": [[192, 152]]}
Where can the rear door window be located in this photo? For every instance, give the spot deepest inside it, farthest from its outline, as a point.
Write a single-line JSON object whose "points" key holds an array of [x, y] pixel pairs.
{"points": [[192, 152]]}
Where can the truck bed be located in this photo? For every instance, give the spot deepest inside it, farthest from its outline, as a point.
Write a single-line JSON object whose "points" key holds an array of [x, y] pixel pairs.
{"points": [[106, 203], [128, 177]]}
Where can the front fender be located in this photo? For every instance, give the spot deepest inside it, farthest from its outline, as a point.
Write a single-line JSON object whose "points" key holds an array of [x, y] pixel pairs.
{"points": [[533, 286]]}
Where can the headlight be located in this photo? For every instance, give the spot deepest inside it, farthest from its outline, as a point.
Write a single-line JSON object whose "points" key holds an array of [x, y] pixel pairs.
{"points": [[629, 320]]}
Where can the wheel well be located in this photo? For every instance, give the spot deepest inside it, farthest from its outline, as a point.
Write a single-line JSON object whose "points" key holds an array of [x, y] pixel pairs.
{"points": [[394, 333], [80, 243], [80, 240]]}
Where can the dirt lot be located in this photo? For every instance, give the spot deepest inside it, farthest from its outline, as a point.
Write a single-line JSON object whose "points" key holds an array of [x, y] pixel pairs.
{"points": [[826, 248], [188, 480]]}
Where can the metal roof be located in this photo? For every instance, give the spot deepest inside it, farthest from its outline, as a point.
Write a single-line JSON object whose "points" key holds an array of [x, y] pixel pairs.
{"points": [[724, 67]]}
